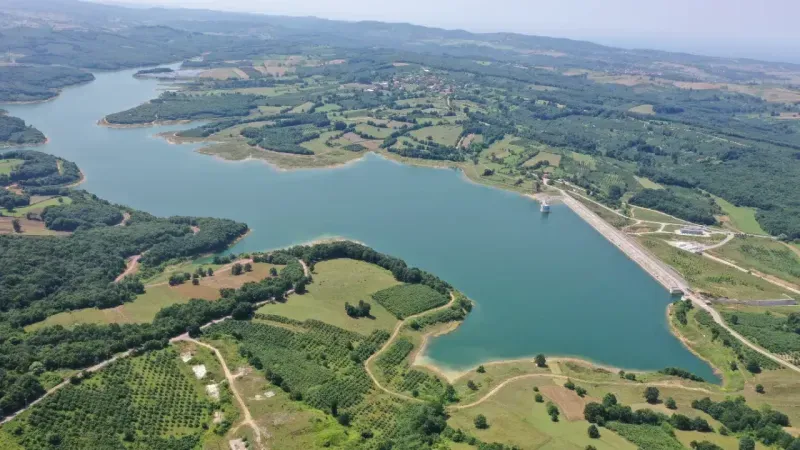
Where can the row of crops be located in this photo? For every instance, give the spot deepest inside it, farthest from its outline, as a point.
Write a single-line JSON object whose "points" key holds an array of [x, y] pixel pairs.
{"points": [[320, 365], [408, 299], [144, 402]]}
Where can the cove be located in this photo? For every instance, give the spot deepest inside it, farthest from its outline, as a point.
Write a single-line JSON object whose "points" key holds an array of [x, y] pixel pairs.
{"points": [[543, 284]]}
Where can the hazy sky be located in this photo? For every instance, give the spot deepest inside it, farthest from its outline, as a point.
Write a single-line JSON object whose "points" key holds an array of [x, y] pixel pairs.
{"points": [[738, 26]]}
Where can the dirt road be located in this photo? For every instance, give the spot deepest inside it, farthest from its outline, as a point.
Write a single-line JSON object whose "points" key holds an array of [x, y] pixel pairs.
{"points": [[248, 418], [389, 342], [133, 266]]}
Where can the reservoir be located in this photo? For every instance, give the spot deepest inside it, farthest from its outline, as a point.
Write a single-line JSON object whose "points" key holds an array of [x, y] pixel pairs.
{"points": [[542, 283]]}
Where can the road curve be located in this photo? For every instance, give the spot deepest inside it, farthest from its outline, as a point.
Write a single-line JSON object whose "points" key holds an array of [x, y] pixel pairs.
{"points": [[389, 342]]}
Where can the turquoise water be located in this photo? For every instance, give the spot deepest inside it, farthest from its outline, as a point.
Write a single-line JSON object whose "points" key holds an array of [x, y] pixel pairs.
{"points": [[542, 284]]}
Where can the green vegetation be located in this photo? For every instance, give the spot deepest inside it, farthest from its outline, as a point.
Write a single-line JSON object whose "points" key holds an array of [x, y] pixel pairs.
{"points": [[742, 218], [409, 299], [174, 106], [667, 200], [737, 416], [646, 436], [148, 401], [14, 131], [22, 83], [710, 277], [764, 255], [334, 283], [776, 332], [33, 173]]}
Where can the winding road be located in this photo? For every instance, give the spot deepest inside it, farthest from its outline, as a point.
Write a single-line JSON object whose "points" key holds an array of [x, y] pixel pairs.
{"points": [[389, 342]]}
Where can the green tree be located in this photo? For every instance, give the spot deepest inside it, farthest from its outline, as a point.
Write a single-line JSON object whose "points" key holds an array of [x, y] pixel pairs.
{"points": [[760, 388], [273, 271], [236, 269], [248, 267], [481, 369], [471, 384], [480, 422], [539, 398], [540, 360], [651, 395], [17, 226], [670, 403], [594, 433], [609, 400], [210, 272], [747, 443]]}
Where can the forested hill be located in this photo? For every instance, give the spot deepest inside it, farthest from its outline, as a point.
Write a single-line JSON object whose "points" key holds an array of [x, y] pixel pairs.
{"points": [[24, 173], [14, 131], [27, 83]]}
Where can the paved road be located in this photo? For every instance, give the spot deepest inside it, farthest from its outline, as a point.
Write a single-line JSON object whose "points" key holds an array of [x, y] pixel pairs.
{"points": [[662, 273]]}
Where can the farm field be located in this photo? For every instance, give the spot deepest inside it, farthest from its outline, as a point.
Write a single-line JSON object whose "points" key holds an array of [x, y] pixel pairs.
{"points": [[764, 255], [647, 183], [441, 134], [553, 158], [334, 283], [148, 399], [409, 299]]}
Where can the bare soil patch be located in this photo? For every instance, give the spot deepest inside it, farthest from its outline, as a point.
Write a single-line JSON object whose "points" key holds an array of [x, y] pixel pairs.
{"points": [[568, 401], [29, 227]]}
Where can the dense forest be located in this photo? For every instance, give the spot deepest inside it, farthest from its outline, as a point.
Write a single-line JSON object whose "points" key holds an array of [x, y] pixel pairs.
{"points": [[14, 131], [684, 207], [24, 83], [173, 106]]}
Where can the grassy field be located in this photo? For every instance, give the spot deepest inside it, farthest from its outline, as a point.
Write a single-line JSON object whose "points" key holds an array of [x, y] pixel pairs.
{"points": [[654, 216], [379, 133], [37, 207], [144, 308], [643, 109], [441, 134], [334, 283], [516, 419], [647, 183], [7, 165], [708, 276], [741, 217], [29, 227], [764, 255], [553, 158], [588, 160]]}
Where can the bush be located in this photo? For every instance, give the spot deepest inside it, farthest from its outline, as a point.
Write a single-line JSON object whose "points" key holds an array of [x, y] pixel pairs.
{"points": [[594, 433], [480, 422]]}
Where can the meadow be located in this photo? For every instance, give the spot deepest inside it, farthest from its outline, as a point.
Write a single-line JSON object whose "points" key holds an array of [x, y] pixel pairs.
{"points": [[335, 283]]}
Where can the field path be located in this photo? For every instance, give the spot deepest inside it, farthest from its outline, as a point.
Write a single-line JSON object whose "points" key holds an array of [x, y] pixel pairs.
{"points": [[500, 386], [133, 265], [389, 342], [248, 418], [101, 365]]}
